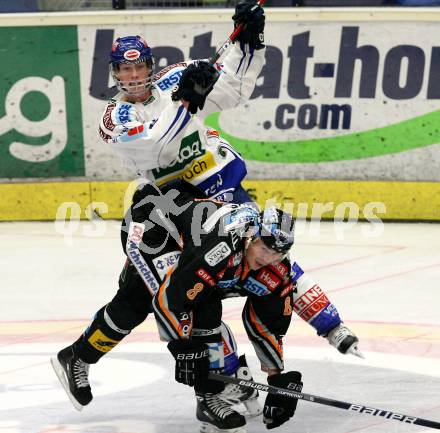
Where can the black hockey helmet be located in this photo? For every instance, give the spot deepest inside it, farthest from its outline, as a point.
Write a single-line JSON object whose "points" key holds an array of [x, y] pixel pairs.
{"points": [[277, 229]]}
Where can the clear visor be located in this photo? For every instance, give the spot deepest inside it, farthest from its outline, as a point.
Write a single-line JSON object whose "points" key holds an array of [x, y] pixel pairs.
{"points": [[124, 80]]}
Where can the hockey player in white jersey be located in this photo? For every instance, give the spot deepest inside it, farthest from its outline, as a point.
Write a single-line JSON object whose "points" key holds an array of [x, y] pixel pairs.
{"points": [[158, 131]]}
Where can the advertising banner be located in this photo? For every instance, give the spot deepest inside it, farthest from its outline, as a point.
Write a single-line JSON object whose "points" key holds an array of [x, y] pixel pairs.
{"points": [[40, 103], [341, 101], [334, 101]]}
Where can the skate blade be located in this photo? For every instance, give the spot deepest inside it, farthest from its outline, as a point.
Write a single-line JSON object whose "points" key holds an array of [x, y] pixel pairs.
{"points": [[209, 428], [59, 371], [354, 350]]}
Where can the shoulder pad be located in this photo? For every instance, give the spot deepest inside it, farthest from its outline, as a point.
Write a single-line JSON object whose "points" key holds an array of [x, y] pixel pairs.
{"points": [[168, 77]]}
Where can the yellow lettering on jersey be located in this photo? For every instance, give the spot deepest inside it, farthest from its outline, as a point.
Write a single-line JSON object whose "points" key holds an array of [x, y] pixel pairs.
{"points": [[196, 169], [101, 342]]}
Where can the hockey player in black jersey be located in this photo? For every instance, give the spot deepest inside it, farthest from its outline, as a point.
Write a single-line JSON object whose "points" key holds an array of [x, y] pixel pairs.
{"points": [[172, 222], [140, 279], [239, 253]]}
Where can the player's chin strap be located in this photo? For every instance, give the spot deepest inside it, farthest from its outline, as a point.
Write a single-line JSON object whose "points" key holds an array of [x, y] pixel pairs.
{"points": [[282, 392]]}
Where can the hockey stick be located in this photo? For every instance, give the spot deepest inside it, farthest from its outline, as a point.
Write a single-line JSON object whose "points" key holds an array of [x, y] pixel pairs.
{"points": [[229, 41], [387, 414]]}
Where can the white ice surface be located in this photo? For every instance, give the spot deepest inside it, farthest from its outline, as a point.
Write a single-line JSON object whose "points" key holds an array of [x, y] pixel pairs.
{"points": [[386, 289]]}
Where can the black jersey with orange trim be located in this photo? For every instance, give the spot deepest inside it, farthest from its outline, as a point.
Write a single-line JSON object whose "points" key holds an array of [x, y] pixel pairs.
{"points": [[213, 260]]}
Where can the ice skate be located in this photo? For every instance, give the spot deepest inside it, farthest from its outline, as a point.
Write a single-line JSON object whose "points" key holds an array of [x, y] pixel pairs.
{"points": [[217, 416], [73, 375], [235, 394]]}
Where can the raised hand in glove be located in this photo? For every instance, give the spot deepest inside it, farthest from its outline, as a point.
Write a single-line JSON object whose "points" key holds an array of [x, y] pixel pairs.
{"points": [[278, 409], [196, 82], [192, 361], [344, 340], [251, 15]]}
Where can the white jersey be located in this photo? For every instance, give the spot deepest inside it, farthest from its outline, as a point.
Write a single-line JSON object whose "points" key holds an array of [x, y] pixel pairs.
{"points": [[160, 140]]}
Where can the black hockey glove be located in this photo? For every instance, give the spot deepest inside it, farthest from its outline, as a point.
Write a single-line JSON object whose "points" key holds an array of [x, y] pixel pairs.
{"points": [[278, 409], [192, 361], [252, 16], [196, 82]]}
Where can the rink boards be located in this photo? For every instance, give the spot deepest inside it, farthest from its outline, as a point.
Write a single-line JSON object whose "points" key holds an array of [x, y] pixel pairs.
{"points": [[348, 129], [369, 201]]}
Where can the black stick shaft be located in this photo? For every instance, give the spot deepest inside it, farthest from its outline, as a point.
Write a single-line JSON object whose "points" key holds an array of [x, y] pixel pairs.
{"points": [[380, 413]]}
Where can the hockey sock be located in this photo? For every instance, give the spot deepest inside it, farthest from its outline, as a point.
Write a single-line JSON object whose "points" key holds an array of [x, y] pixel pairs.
{"points": [[100, 337]]}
